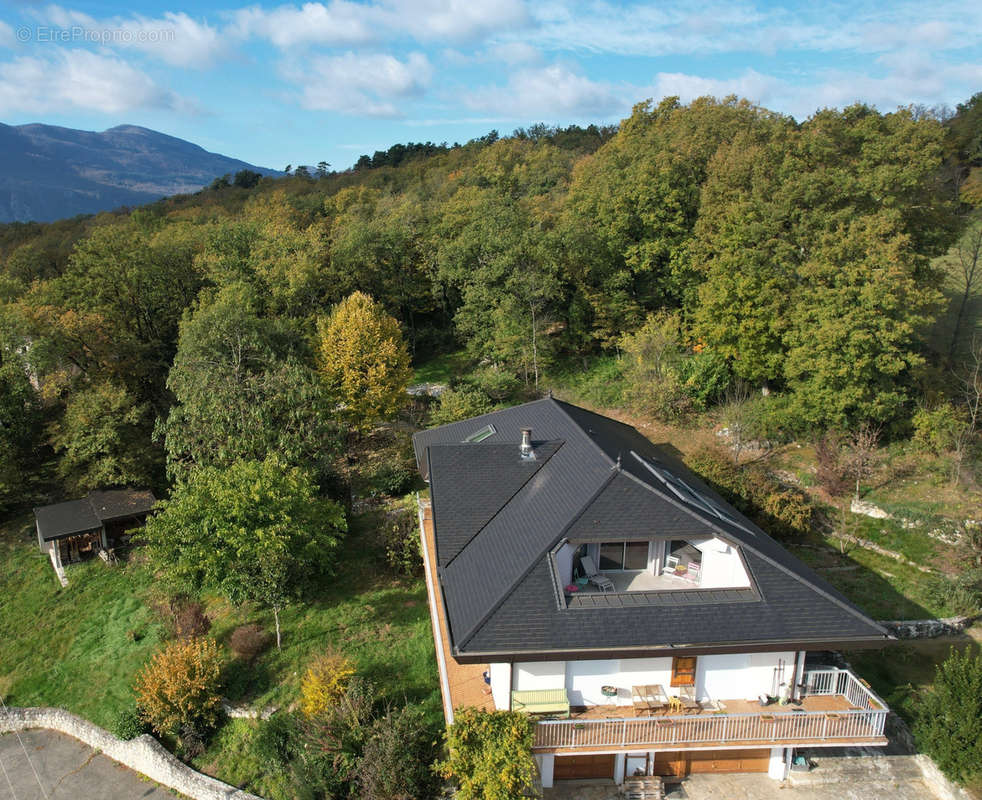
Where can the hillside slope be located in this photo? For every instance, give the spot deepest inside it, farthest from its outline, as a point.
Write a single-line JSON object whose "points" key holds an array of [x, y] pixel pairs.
{"points": [[47, 172]]}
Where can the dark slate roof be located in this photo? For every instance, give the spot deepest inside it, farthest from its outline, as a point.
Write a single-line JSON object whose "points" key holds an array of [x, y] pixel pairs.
{"points": [[88, 514], [114, 504], [478, 480], [598, 478], [65, 519]]}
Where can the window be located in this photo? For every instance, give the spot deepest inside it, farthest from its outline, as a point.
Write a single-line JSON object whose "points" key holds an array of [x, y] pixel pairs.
{"points": [[623, 556], [684, 671], [481, 435]]}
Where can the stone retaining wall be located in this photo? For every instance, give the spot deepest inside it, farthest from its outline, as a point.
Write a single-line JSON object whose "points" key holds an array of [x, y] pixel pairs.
{"points": [[143, 754], [933, 777], [927, 628]]}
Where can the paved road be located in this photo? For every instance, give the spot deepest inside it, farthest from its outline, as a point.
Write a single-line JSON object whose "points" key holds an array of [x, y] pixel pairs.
{"points": [[68, 770]]}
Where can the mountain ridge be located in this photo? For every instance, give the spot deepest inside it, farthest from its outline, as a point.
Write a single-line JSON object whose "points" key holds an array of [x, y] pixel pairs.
{"points": [[49, 172]]}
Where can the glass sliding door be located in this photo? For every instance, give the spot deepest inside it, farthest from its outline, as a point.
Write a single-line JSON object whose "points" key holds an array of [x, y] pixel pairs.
{"points": [[619, 556]]}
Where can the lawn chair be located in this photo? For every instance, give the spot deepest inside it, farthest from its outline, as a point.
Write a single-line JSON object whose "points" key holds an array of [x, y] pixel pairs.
{"points": [[687, 696], [671, 565], [602, 582]]}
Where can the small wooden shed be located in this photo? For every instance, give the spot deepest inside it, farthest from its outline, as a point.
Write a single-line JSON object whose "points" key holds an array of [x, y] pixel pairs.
{"points": [[78, 529]]}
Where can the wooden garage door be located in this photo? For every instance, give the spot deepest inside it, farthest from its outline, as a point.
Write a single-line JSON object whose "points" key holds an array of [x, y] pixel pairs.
{"points": [[579, 767], [728, 760]]}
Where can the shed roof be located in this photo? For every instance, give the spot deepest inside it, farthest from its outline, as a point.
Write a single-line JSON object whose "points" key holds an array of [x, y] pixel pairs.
{"points": [[73, 517]]}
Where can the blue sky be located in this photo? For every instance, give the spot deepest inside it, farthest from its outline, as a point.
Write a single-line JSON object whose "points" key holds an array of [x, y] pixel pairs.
{"points": [[299, 83]]}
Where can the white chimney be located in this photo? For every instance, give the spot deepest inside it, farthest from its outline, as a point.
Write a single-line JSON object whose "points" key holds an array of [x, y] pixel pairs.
{"points": [[526, 448]]}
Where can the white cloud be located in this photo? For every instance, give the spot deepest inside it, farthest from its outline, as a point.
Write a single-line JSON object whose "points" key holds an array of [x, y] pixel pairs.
{"points": [[366, 85], [175, 38], [344, 23], [337, 23], [751, 85], [514, 53], [549, 91], [455, 19], [7, 38], [78, 79]]}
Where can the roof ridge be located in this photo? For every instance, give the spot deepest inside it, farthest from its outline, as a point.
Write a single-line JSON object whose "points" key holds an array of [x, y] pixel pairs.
{"points": [[511, 497], [586, 434]]}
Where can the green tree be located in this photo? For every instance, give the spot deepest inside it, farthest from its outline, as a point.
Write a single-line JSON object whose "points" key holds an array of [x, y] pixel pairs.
{"points": [[20, 420], [242, 390], [364, 361], [104, 439], [489, 754], [256, 531], [948, 724]]}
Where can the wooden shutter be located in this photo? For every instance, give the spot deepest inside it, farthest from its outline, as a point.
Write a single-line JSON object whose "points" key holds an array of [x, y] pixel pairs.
{"points": [[684, 671]]}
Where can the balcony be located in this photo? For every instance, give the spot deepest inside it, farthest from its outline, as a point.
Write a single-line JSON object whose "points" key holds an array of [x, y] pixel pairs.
{"points": [[837, 708]]}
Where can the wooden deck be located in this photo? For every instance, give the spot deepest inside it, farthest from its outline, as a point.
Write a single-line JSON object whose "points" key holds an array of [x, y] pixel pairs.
{"points": [[465, 681]]}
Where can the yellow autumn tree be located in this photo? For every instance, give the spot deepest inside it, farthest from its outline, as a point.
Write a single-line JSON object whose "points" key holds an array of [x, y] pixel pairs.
{"points": [[325, 681], [179, 690], [364, 360]]}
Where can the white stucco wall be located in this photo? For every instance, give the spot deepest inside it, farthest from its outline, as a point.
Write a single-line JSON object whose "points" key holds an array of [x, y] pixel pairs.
{"points": [[741, 676], [564, 563], [721, 566], [538, 675], [501, 685]]}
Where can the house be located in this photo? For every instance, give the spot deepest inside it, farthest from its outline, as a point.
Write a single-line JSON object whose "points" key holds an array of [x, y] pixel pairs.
{"points": [[77, 529], [579, 572]]}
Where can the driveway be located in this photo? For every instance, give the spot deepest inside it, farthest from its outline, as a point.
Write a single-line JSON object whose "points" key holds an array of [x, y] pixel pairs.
{"points": [[68, 770]]}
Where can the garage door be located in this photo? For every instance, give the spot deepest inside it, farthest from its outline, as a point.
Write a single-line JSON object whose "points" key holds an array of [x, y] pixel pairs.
{"points": [[568, 768], [729, 760]]}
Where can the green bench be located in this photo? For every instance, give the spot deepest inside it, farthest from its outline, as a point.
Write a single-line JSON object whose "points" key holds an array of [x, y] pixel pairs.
{"points": [[554, 702]]}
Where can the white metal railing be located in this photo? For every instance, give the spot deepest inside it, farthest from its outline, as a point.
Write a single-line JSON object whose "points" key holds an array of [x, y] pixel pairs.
{"points": [[842, 682], [864, 721]]}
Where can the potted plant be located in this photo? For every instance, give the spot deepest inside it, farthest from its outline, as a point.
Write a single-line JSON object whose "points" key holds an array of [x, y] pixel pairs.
{"points": [[608, 691]]}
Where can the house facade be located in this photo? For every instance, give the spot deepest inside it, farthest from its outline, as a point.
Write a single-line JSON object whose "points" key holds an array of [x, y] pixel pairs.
{"points": [[581, 574]]}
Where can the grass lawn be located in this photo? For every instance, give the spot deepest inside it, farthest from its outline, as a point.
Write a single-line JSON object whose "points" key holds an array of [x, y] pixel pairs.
{"points": [[77, 647], [442, 368], [80, 647]]}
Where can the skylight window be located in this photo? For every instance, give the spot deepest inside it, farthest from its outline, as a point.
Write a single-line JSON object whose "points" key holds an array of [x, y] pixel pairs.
{"points": [[481, 435], [690, 496]]}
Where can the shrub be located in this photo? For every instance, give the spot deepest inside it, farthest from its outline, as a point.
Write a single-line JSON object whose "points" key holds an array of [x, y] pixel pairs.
{"points": [[495, 383], [777, 509], [460, 403], [276, 740], [397, 757], [334, 740], [948, 722], [389, 478], [706, 377], [831, 473], [248, 641], [325, 682], [489, 755], [403, 552], [189, 618], [128, 724], [938, 429], [179, 690]]}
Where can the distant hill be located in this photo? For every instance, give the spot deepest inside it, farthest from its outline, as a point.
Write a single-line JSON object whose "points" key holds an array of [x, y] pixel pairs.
{"points": [[48, 173]]}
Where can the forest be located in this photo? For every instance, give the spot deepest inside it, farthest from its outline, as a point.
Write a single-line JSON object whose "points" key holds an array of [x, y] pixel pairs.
{"points": [[828, 269]]}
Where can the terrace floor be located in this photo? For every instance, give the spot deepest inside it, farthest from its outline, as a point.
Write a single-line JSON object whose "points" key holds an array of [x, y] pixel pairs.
{"points": [[830, 703], [641, 581]]}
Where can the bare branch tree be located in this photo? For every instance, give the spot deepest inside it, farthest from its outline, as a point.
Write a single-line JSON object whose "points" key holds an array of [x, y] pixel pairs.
{"points": [[965, 438], [862, 448], [967, 257]]}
